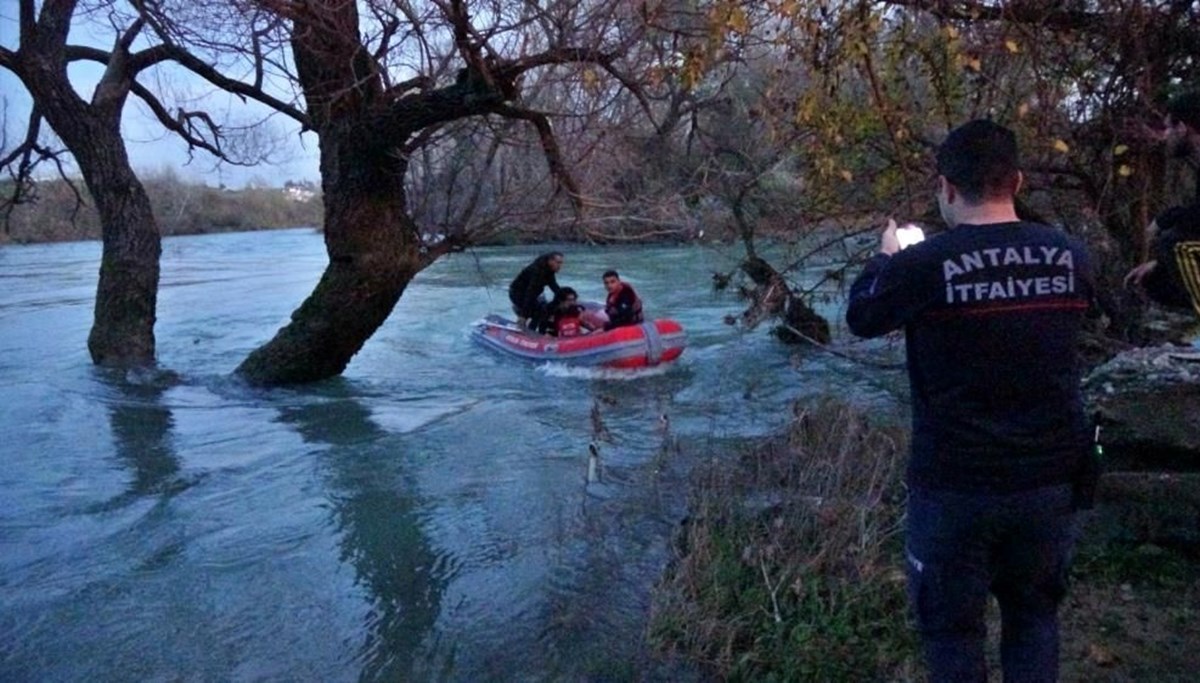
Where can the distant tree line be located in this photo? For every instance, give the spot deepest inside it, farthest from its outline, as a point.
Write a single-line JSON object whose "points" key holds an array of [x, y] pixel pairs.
{"points": [[54, 213]]}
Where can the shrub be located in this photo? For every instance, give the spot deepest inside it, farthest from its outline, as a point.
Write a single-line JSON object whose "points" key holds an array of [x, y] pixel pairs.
{"points": [[790, 567]]}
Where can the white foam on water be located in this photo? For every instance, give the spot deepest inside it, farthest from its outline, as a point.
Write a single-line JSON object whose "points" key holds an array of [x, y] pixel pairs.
{"points": [[564, 370]]}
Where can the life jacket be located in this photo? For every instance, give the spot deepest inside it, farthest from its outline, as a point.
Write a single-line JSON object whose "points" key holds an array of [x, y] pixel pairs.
{"points": [[569, 326], [635, 314], [568, 321]]}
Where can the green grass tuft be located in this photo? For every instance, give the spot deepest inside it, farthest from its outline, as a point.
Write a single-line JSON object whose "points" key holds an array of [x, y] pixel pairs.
{"points": [[789, 567]]}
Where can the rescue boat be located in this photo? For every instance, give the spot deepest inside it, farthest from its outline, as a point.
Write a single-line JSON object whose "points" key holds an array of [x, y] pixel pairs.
{"points": [[634, 346]]}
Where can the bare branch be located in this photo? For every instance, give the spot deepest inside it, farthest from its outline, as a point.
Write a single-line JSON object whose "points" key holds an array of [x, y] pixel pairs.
{"points": [[27, 156], [415, 83], [558, 168], [169, 50], [131, 34], [558, 55], [27, 20], [183, 124], [54, 22]]}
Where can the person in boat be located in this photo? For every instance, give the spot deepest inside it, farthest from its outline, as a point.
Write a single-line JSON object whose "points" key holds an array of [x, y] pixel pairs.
{"points": [[567, 315], [526, 289], [623, 305], [1172, 276]]}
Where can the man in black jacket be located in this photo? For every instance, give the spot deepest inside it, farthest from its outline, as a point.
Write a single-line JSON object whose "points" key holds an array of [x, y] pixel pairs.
{"points": [[992, 311], [526, 289], [1172, 275]]}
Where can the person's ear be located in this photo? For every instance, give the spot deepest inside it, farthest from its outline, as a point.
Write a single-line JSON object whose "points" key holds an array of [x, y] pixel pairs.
{"points": [[947, 189], [1020, 183]]}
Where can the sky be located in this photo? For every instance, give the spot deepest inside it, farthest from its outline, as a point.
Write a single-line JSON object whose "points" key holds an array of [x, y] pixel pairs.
{"points": [[151, 149]]}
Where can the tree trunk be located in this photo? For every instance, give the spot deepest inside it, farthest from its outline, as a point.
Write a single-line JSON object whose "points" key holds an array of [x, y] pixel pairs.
{"points": [[373, 255], [127, 295], [774, 298], [122, 332]]}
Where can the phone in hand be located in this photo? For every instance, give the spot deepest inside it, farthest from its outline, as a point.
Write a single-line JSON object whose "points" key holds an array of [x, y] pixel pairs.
{"points": [[909, 234]]}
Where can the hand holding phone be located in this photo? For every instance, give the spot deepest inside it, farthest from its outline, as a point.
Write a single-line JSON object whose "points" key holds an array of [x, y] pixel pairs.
{"points": [[909, 234]]}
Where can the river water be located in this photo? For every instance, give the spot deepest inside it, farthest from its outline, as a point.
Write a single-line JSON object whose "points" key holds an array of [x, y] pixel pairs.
{"points": [[426, 516]]}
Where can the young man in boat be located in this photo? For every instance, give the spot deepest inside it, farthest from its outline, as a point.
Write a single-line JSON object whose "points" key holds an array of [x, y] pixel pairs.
{"points": [[567, 314], [623, 305], [1000, 460], [526, 289]]}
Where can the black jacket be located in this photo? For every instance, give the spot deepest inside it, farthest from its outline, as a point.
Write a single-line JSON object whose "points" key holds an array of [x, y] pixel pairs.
{"points": [[991, 315], [528, 285], [1176, 280]]}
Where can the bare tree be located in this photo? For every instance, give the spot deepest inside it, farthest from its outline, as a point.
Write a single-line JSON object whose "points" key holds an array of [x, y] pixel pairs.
{"points": [[122, 332], [382, 83]]}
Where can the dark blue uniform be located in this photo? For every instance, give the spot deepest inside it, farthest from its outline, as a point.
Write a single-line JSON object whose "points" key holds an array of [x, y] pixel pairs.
{"points": [[992, 315]]}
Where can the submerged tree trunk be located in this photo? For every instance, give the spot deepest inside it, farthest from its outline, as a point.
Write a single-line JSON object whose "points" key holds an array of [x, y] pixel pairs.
{"points": [[371, 239], [122, 332], [127, 294], [369, 125], [373, 255]]}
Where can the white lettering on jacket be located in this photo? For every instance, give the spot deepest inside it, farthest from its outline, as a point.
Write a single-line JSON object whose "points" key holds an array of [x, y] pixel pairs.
{"points": [[1008, 287]]}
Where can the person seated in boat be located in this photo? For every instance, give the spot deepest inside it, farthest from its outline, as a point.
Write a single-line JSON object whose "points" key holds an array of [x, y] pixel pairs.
{"points": [[526, 289], [567, 315], [623, 305]]}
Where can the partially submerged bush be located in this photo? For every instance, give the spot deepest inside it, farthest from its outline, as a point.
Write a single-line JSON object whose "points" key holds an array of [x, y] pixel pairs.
{"points": [[790, 565]]}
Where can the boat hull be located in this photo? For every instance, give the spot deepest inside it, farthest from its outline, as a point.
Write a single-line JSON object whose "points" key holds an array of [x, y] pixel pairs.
{"points": [[634, 346]]}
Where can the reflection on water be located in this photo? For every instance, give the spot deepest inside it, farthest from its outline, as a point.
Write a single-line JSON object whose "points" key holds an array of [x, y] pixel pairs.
{"points": [[426, 517], [380, 534], [141, 426]]}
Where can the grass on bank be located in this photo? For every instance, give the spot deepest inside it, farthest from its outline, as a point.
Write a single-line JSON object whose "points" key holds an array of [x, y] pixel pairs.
{"points": [[789, 567]]}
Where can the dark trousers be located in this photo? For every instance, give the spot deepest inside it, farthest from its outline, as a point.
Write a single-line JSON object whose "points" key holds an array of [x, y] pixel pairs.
{"points": [[962, 546], [536, 311]]}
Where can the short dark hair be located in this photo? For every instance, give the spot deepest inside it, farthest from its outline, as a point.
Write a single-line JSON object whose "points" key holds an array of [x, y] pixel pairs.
{"points": [[610, 273], [561, 297], [1185, 107], [980, 159]]}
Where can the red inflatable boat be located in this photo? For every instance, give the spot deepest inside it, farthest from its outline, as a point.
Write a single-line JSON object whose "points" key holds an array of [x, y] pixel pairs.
{"points": [[634, 346]]}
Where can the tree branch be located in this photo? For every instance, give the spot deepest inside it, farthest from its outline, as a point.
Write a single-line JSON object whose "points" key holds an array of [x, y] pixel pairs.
{"points": [[27, 20], [8, 59], [28, 155], [168, 50], [558, 167], [182, 124], [557, 55], [1050, 15], [414, 83], [131, 34], [54, 22]]}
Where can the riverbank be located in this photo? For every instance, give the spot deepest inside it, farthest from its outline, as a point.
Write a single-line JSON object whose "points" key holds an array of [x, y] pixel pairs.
{"points": [[789, 566], [57, 214]]}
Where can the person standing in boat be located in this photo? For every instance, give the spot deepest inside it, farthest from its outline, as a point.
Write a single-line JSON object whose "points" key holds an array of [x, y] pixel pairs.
{"points": [[526, 289], [623, 305]]}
